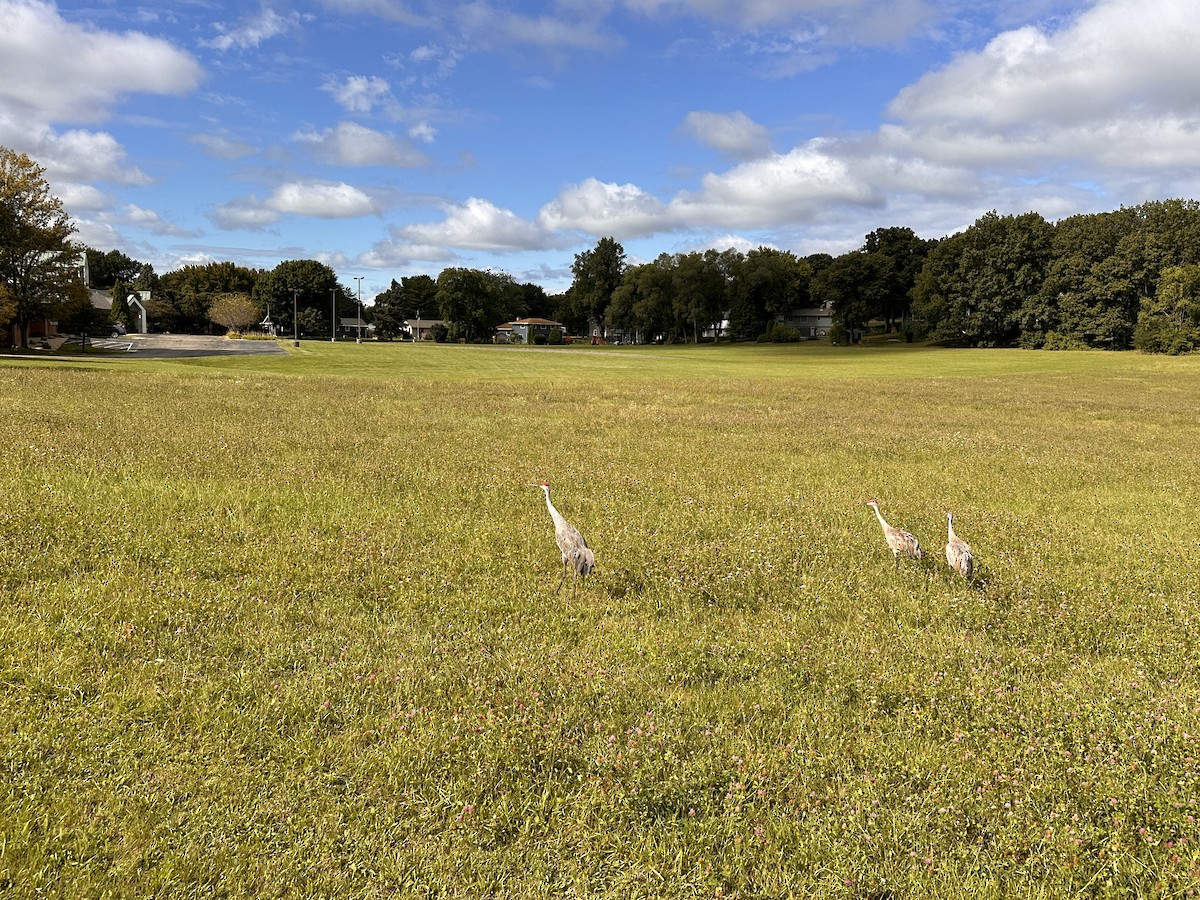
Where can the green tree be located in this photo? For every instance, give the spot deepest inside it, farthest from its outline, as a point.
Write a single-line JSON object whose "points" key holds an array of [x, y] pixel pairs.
{"points": [[301, 285], [855, 285], [766, 283], [106, 269], [974, 286], [38, 263], [1084, 301], [410, 298], [644, 302], [901, 254], [471, 301], [235, 311], [1169, 322], [181, 301], [598, 274], [699, 285], [77, 314]]}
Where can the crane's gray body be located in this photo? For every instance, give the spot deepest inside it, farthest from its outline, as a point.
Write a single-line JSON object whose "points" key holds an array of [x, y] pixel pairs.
{"points": [[898, 540], [576, 554], [958, 551]]}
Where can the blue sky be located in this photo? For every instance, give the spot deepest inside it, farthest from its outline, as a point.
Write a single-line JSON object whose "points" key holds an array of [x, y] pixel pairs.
{"points": [[397, 137]]}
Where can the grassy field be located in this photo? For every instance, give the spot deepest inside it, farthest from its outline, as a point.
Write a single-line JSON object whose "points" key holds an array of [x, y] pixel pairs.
{"points": [[286, 627]]}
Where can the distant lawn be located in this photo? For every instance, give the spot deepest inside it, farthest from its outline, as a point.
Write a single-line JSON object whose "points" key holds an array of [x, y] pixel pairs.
{"points": [[285, 626]]}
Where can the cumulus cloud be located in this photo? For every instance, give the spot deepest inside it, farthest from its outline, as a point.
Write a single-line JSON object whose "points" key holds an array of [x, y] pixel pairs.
{"points": [[784, 188], [355, 145], [601, 208], [82, 156], [734, 135], [320, 200], [52, 70], [480, 225], [1117, 85]]}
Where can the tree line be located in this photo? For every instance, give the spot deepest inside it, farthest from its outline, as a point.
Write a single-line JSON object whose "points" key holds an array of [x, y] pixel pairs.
{"points": [[1114, 280]]}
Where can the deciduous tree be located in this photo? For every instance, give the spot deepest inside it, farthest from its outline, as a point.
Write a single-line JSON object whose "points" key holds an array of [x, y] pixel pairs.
{"points": [[598, 274], [1169, 322], [303, 284], [235, 311], [471, 301], [38, 263]]}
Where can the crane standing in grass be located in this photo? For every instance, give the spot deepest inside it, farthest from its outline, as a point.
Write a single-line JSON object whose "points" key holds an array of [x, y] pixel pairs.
{"points": [[575, 551], [958, 551], [899, 540]]}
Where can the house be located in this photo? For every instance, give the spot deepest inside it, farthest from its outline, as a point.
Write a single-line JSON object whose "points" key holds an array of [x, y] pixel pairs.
{"points": [[526, 331], [418, 329], [354, 327], [813, 322]]}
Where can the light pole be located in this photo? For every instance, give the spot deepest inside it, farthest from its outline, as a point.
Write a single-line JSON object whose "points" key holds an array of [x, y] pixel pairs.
{"points": [[295, 327], [332, 315], [359, 279]]}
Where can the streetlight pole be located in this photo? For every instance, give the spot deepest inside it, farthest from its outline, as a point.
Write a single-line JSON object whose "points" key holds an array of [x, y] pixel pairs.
{"points": [[332, 315], [359, 279], [295, 327]]}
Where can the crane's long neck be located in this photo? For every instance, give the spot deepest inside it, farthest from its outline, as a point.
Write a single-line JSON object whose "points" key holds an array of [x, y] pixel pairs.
{"points": [[950, 525], [883, 524], [554, 513]]}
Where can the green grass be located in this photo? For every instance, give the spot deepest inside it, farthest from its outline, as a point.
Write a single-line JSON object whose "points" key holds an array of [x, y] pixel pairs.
{"points": [[285, 627]]}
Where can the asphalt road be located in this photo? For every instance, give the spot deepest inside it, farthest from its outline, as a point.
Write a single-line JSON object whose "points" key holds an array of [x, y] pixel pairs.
{"points": [[173, 345]]}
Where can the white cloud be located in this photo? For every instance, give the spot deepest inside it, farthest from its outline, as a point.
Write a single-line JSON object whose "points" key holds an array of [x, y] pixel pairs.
{"points": [[355, 145], [784, 188], [83, 156], [423, 132], [601, 208], [252, 31], [480, 225], [358, 93], [52, 70], [1118, 86], [148, 220], [322, 200], [399, 252], [244, 213], [734, 135]]}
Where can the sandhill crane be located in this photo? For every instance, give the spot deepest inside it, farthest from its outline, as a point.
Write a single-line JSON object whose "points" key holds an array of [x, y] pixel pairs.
{"points": [[575, 552], [958, 551], [899, 540]]}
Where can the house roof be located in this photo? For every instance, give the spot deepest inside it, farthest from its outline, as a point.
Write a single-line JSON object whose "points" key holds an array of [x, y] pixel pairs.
{"points": [[536, 321]]}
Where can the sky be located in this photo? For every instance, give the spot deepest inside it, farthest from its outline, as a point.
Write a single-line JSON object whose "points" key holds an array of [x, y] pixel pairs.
{"points": [[389, 138]]}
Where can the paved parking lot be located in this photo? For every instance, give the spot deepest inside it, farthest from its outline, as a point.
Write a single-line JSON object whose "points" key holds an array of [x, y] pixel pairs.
{"points": [[168, 345]]}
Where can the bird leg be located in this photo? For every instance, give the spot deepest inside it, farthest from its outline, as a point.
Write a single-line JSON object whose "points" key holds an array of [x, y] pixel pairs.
{"points": [[562, 579]]}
